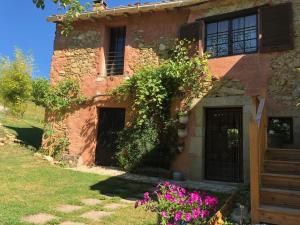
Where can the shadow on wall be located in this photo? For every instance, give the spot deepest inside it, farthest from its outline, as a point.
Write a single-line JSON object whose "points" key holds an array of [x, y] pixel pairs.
{"points": [[30, 136]]}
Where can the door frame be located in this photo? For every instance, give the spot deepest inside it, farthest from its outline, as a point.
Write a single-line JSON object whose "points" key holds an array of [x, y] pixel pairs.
{"points": [[196, 141], [239, 166]]}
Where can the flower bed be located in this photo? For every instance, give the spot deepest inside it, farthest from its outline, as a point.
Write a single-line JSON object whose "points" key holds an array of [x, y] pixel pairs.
{"points": [[177, 206]]}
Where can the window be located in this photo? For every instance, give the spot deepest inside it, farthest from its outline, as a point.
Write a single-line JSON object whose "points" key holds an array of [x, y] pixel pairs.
{"points": [[115, 58], [280, 130], [232, 36]]}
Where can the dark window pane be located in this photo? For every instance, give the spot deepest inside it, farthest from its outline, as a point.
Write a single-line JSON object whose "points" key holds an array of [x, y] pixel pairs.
{"points": [[223, 26], [238, 23], [223, 38], [212, 40], [212, 50], [250, 34], [280, 131], [238, 47], [115, 58], [250, 45], [222, 49], [212, 28], [250, 21]]}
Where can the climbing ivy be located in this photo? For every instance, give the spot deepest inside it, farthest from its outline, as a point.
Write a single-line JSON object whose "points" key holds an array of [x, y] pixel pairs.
{"points": [[183, 75], [58, 100]]}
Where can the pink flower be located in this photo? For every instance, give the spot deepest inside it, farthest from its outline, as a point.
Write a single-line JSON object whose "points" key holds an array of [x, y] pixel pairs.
{"points": [[204, 213], [188, 217], [168, 197], [146, 196], [195, 197], [211, 201], [178, 216], [196, 213], [164, 214]]}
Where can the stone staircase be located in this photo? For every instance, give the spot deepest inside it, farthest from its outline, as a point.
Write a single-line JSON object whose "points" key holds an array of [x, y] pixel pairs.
{"points": [[280, 187]]}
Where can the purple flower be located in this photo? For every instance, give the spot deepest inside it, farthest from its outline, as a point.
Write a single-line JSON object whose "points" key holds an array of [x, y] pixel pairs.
{"points": [[178, 216]]}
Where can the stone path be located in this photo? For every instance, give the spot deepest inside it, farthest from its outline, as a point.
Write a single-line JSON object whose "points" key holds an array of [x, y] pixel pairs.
{"points": [[91, 201], [95, 215], [203, 185], [40, 218], [68, 208], [90, 214]]}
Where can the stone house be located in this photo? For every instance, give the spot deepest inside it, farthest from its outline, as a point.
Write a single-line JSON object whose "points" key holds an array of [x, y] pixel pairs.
{"points": [[255, 48]]}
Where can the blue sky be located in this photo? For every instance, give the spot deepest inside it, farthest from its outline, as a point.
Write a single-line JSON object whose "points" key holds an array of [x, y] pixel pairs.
{"points": [[24, 26]]}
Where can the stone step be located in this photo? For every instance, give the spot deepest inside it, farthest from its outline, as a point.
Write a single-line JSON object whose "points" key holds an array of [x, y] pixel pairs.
{"points": [[282, 167], [281, 181], [280, 197]]}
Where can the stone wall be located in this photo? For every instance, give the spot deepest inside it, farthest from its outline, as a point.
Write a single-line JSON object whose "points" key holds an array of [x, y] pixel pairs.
{"points": [[148, 38]]}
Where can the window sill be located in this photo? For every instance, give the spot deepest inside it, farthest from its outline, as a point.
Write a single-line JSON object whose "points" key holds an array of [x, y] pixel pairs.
{"points": [[241, 54]]}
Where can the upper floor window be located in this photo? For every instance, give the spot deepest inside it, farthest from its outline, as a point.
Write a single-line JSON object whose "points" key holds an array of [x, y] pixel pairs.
{"points": [[232, 36], [115, 57]]}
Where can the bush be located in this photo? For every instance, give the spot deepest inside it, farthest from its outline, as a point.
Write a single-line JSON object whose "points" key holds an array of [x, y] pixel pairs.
{"points": [[15, 82], [133, 144], [40, 89]]}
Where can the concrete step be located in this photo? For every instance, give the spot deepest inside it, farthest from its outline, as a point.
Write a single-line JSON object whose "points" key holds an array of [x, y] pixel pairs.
{"points": [[280, 197], [282, 167], [283, 154], [280, 181], [279, 215]]}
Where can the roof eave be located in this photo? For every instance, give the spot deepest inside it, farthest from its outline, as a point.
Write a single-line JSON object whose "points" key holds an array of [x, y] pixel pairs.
{"points": [[129, 10]]}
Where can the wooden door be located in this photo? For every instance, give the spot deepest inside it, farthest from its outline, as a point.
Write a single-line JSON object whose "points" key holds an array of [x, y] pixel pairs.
{"points": [[224, 145], [111, 121]]}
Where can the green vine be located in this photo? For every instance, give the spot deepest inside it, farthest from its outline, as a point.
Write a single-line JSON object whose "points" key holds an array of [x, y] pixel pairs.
{"points": [[183, 75], [58, 100]]}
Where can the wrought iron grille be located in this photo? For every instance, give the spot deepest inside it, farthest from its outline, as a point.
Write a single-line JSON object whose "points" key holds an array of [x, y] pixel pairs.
{"points": [[115, 56]]}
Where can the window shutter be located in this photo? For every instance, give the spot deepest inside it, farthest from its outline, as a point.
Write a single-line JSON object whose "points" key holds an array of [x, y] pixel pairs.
{"points": [[276, 28], [191, 31]]}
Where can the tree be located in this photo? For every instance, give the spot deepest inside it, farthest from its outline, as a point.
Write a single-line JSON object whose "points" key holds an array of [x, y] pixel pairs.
{"points": [[73, 9], [15, 82]]}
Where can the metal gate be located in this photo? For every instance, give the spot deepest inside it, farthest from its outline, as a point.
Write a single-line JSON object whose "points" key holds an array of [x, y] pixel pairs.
{"points": [[224, 144], [111, 120]]}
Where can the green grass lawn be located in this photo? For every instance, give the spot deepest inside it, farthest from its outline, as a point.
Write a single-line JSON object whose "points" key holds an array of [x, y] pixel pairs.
{"points": [[30, 185], [29, 128]]}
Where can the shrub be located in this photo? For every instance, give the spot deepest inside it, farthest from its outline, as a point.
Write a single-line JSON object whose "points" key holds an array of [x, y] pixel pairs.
{"points": [[15, 82], [176, 206]]}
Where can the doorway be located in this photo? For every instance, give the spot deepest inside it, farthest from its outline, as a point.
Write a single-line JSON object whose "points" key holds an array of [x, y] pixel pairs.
{"points": [[111, 121], [224, 144]]}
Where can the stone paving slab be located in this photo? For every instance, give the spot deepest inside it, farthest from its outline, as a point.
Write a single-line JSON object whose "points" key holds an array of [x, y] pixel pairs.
{"points": [[91, 201], [40, 218], [201, 185], [71, 223], [114, 206], [129, 200], [68, 208], [95, 215]]}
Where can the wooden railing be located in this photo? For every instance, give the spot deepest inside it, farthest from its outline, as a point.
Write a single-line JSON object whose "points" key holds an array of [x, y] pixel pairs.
{"points": [[258, 145]]}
